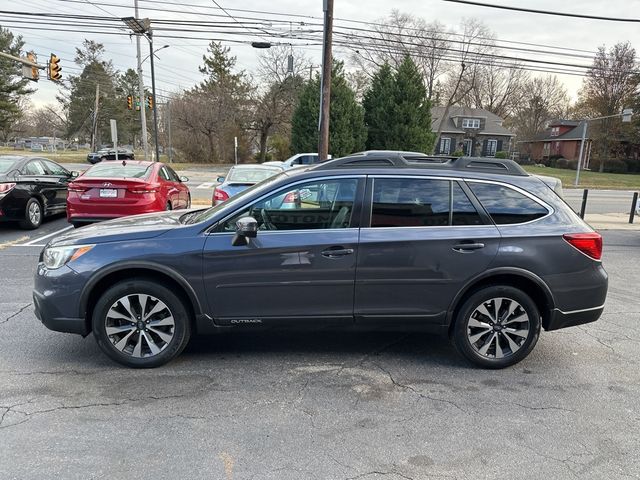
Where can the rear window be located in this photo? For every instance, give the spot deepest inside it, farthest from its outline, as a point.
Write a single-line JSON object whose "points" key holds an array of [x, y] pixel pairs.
{"points": [[506, 205], [6, 164], [118, 170], [249, 175]]}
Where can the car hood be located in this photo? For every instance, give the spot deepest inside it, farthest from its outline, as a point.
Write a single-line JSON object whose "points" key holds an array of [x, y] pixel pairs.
{"points": [[136, 227]]}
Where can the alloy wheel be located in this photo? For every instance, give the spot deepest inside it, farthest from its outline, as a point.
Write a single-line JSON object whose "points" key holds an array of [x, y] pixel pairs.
{"points": [[34, 213], [498, 328], [139, 325]]}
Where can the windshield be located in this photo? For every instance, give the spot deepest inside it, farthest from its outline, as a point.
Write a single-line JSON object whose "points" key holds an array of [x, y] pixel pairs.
{"points": [[251, 175], [6, 164], [204, 215], [117, 169]]}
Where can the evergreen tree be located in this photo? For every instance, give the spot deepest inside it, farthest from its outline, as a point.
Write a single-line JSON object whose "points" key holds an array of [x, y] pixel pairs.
{"points": [[347, 131], [378, 105], [13, 87], [410, 122]]}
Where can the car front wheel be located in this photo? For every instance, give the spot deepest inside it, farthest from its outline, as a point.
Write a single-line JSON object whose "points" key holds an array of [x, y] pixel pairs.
{"points": [[497, 326], [141, 324]]}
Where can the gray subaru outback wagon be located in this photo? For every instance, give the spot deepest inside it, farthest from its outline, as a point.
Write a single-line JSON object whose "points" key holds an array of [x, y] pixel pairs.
{"points": [[476, 249]]}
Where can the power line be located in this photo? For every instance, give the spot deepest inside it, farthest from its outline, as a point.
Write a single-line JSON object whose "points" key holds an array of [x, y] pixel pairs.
{"points": [[547, 12]]}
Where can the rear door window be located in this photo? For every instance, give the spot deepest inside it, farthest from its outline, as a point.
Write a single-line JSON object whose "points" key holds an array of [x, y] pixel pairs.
{"points": [[54, 168], [34, 167], [506, 205], [464, 213], [410, 202]]}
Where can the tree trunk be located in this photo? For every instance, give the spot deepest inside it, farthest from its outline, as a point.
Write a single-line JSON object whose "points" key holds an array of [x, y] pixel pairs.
{"points": [[212, 148], [264, 135]]}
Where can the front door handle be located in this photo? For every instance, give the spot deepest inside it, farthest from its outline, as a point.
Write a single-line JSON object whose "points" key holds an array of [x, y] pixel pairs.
{"points": [[468, 247], [336, 252]]}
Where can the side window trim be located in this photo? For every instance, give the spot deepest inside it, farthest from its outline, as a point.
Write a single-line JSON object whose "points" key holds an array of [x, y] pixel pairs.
{"points": [[215, 228], [549, 208], [484, 215]]}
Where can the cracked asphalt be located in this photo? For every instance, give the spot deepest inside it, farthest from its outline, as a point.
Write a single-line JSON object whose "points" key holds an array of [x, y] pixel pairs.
{"points": [[324, 405]]}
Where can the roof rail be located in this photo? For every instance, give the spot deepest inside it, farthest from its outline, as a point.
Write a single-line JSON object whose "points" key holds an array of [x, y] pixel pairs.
{"points": [[397, 159]]}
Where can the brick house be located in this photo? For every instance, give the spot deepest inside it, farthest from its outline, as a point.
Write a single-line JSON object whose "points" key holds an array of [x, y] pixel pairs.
{"points": [[475, 131], [561, 139]]}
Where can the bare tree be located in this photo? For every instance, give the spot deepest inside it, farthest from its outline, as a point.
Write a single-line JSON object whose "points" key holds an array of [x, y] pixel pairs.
{"points": [[542, 99], [611, 84], [462, 76], [400, 35], [280, 71]]}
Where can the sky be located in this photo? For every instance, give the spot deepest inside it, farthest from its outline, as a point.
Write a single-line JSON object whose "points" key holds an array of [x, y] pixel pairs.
{"points": [[177, 65]]}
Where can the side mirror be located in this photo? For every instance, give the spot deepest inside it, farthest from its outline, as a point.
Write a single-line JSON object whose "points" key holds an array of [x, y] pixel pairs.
{"points": [[184, 179], [246, 228], [75, 174], [220, 179]]}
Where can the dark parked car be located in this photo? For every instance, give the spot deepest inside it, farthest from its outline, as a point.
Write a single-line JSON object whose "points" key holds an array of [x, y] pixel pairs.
{"points": [[32, 188], [475, 249], [109, 154]]}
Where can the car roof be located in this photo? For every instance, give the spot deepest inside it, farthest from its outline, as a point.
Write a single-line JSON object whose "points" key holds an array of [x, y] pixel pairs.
{"points": [[127, 162], [256, 166]]}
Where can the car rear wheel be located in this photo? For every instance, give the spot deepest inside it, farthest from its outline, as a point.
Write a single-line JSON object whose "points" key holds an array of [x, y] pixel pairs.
{"points": [[497, 326], [32, 215], [102, 159], [141, 324]]}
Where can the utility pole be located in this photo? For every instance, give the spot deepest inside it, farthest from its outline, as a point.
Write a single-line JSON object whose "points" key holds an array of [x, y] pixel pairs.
{"points": [[325, 84], [153, 92], [95, 119], [143, 116], [169, 131]]}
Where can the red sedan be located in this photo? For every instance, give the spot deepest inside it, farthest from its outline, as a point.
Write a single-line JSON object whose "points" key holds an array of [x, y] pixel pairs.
{"points": [[115, 189]]}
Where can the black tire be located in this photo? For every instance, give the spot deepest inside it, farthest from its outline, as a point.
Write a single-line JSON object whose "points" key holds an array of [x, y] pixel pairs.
{"points": [[189, 201], [31, 221], [502, 340], [102, 159], [77, 224], [181, 330], [168, 207]]}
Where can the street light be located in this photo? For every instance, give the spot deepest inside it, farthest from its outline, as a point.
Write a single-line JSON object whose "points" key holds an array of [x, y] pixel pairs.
{"points": [[143, 27], [156, 51]]}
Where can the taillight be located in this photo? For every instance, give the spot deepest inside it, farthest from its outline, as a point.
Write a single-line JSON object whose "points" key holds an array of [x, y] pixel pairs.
{"points": [[6, 188], [588, 243], [219, 196], [77, 189], [149, 189]]}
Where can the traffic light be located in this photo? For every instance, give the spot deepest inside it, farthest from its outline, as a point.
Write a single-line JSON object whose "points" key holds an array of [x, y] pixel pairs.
{"points": [[150, 102], [130, 102], [32, 73], [53, 72]]}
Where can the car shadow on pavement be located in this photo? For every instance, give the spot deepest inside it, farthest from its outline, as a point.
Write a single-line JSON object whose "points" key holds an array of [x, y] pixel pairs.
{"points": [[337, 345]]}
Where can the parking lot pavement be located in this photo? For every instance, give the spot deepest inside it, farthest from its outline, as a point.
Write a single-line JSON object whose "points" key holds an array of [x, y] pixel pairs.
{"points": [[11, 234], [324, 405]]}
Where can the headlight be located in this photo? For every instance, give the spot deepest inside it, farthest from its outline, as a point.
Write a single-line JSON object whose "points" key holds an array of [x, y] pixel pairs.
{"points": [[55, 257]]}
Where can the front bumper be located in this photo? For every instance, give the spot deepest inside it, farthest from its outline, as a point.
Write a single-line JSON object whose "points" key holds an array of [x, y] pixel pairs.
{"points": [[56, 298]]}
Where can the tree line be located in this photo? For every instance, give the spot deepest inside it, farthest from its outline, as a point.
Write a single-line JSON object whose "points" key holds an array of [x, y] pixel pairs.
{"points": [[381, 96]]}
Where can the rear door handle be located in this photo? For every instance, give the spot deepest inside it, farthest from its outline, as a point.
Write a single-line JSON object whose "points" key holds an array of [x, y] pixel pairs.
{"points": [[335, 252], [468, 247]]}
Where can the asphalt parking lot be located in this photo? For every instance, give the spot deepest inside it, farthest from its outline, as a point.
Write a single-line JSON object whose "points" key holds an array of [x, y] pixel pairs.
{"points": [[322, 406]]}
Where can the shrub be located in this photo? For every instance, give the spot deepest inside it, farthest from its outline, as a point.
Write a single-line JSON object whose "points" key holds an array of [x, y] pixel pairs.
{"points": [[562, 163], [553, 159], [573, 164], [633, 164], [501, 154], [615, 166], [458, 153]]}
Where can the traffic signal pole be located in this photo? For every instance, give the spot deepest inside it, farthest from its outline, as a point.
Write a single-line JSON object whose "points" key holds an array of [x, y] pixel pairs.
{"points": [[143, 116]]}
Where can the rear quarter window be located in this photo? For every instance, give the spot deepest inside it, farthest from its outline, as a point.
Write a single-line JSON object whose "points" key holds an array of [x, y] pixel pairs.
{"points": [[506, 205]]}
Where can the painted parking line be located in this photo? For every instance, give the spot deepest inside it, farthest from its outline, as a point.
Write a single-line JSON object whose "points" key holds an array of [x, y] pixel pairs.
{"points": [[37, 242], [206, 185]]}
